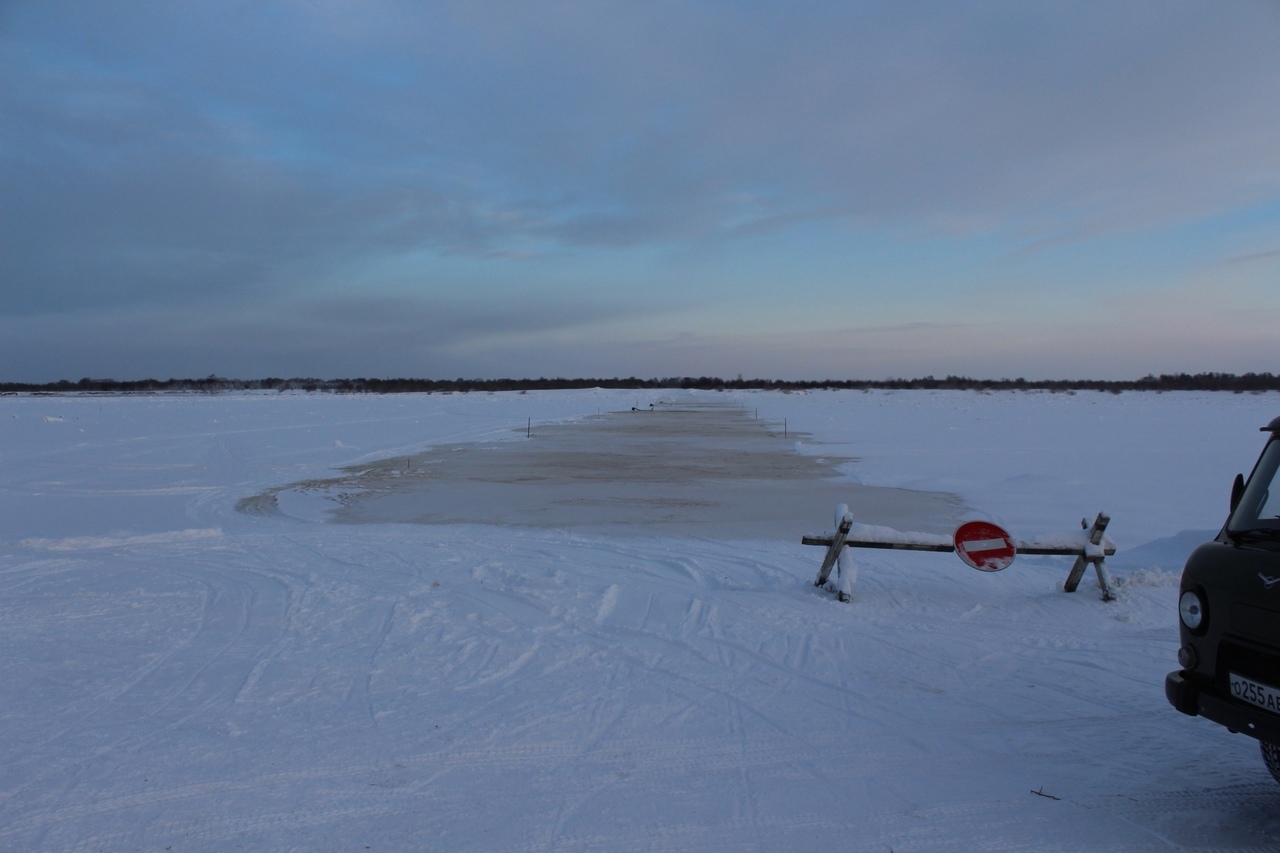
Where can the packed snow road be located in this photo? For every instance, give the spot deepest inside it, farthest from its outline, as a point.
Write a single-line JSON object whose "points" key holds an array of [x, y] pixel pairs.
{"points": [[179, 673]]}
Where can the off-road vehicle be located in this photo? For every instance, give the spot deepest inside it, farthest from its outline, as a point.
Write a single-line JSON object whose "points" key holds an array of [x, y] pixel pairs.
{"points": [[1229, 611]]}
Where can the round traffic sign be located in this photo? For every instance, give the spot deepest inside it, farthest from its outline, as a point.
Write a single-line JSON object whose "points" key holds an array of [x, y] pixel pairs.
{"points": [[985, 546]]}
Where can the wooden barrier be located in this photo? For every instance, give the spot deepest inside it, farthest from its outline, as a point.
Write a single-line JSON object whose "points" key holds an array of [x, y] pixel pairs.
{"points": [[1089, 550]]}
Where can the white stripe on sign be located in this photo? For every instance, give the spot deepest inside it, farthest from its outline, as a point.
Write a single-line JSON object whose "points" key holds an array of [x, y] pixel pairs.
{"points": [[985, 545]]}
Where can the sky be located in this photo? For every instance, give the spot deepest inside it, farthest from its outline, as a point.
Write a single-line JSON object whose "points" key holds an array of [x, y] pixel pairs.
{"points": [[846, 189]]}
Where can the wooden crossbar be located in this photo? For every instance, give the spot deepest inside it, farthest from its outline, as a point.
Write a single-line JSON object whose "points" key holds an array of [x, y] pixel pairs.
{"points": [[1021, 546], [1077, 570]]}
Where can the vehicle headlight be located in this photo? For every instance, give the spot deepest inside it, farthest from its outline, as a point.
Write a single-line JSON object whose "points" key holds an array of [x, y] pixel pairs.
{"points": [[1191, 610]]}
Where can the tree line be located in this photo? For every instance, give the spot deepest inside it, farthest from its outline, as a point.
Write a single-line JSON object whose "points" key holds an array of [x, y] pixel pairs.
{"points": [[1248, 382]]}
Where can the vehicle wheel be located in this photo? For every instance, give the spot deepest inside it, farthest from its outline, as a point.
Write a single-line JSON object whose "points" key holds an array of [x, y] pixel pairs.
{"points": [[1271, 757]]}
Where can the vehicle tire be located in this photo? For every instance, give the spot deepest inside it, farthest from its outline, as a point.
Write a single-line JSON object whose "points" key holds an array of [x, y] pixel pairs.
{"points": [[1271, 757]]}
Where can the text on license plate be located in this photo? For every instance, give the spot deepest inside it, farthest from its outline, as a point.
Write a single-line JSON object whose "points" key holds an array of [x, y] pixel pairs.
{"points": [[1258, 694]]}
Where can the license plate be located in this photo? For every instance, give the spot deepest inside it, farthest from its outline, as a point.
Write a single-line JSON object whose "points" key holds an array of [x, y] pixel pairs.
{"points": [[1254, 693]]}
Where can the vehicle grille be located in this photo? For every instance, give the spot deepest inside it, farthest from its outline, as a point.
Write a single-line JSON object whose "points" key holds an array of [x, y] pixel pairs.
{"points": [[1256, 623], [1251, 661]]}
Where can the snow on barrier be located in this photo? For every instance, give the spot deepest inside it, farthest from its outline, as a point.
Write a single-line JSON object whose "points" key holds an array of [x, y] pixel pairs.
{"points": [[980, 544]]}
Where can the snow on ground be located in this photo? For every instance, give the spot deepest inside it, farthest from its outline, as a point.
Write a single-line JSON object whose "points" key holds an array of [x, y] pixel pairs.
{"points": [[179, 674]]}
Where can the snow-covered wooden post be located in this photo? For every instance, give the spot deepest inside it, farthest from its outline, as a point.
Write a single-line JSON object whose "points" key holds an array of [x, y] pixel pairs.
{"points": [[1095, 554], [835, 551]]}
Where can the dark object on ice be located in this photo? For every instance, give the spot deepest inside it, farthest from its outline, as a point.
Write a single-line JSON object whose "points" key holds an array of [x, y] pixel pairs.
{"points": [[1229, 614]]}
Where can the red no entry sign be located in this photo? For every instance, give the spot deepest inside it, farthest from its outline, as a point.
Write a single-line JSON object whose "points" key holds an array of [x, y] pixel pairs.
{"points": [[985, 546]]}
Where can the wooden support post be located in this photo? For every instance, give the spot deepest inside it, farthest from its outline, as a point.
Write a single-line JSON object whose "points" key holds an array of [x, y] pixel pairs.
{"points": [[844, 521], [1099, 562], [1104, 579]]}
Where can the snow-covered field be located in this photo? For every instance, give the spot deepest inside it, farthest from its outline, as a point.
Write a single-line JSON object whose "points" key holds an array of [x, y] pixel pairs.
{"points": [[179, 673]]}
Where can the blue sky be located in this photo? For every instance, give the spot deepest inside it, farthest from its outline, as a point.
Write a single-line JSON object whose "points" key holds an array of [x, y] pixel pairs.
{"points": [[484, 189]]}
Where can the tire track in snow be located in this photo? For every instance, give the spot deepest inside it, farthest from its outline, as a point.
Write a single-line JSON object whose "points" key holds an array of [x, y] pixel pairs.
{"points": [[241, 617], [1202, 818]]}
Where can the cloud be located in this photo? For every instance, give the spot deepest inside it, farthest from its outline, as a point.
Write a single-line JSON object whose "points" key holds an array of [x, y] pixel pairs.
{"points": [[1269, 258], [342, 336], [179, 158], [619, 123]]}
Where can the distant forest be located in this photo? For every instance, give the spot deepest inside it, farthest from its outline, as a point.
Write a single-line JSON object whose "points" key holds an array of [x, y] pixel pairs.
{"points": [[1249, 382]]}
